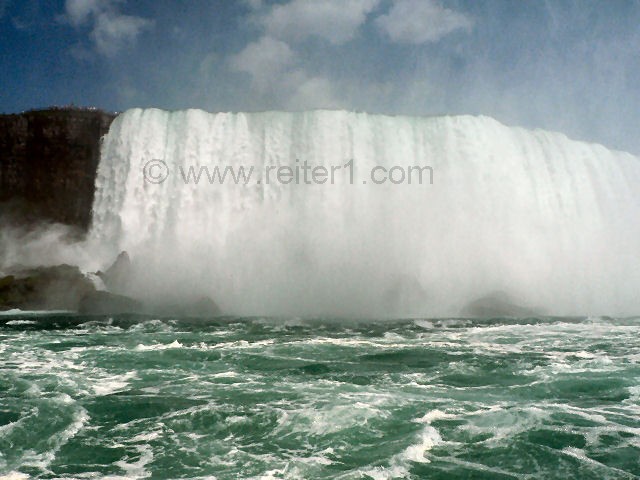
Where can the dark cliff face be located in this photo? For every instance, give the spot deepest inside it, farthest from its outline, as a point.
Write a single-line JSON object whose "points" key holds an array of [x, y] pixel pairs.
{"points": [[48, 164]]}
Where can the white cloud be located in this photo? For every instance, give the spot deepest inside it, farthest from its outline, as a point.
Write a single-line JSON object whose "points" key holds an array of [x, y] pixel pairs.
{"points": [[111, 30], [254, 4], [278, 72], [275, 73], [334, 20], [310, 93], [265, 59], [79, 12], [421, 21]]}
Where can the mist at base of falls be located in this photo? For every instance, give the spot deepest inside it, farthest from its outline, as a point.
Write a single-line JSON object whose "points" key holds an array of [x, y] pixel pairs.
{"points": [[550, 221]]}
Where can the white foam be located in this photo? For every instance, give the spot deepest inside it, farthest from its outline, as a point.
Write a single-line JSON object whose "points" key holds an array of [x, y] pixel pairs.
{"points": [[582, 456], [112, 383], [242, 344], [429, 438], [329, 419], [136, 469], [433, 415], [145, 437], [229, 374], [21, 322], [14, 476], [400, 464], [159, 346], [42, 460], [386, 473]]}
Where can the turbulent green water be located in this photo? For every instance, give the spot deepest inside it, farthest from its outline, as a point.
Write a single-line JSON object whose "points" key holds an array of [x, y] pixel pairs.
{"points": [[289, 398]]}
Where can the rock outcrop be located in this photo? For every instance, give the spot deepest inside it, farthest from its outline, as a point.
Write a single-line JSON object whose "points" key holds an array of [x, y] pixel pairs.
{"points": [[117, 276], [65, 287], [187, 307], [61, 287], [105, 303], [498, 305], [48, 164]]}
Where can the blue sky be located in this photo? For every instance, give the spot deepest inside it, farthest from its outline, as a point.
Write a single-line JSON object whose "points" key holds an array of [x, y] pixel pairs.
{"points": [[571, 66]]}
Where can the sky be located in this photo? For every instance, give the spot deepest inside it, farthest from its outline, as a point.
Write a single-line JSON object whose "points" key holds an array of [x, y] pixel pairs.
{"points": [[570, 66]]}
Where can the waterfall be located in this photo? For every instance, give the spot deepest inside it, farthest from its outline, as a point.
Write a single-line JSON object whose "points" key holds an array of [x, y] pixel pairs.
{"points": [[551, 221]]}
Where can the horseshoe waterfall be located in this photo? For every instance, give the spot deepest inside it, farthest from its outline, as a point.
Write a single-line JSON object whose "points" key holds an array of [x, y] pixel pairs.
{"points": [[403, 216]]}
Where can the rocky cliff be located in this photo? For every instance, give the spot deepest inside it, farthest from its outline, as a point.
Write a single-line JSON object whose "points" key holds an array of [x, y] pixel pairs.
{"points": [[48, 163]]}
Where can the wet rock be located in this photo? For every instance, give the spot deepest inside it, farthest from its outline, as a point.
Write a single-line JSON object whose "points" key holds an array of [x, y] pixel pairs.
{"points": [[105, 303], [198, 307], [117, 275], [59, 287], [497, 305], [48, 166]]}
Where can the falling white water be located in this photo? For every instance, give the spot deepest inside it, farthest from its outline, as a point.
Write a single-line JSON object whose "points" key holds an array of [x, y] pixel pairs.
{"points": [[551, 221]]}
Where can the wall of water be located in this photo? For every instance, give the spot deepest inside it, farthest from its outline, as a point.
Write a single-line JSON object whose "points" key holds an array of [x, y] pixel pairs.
{"points": [[551, 221]]}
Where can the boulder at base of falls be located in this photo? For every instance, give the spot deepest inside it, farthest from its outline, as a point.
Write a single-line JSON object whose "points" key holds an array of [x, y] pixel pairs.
{"points": [[498, 305], [116, 277], [58, 287], [105, 303], [197, 307]]}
